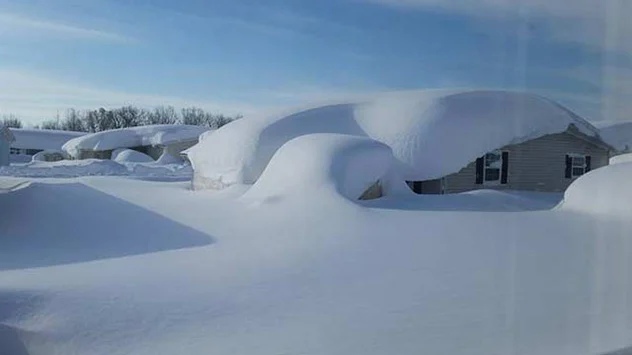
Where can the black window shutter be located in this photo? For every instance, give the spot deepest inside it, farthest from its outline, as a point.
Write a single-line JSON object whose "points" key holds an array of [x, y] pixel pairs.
{"points": [[588, 163], [480, 165], [569, 167], [505, 168]]}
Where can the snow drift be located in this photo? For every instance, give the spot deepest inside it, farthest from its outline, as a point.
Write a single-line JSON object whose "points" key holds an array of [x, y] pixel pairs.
{"points": [[431, 133], [133, 137], [323, 164], [130, 156], [606, 191]]}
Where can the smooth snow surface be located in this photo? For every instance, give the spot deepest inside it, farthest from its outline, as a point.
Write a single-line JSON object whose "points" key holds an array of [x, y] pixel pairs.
{"points": [[617, 133], [133, 137], [605, 191], [123, 155], [431, 133], [113, 266], [623, 158], [44, 139], [322, 164]]}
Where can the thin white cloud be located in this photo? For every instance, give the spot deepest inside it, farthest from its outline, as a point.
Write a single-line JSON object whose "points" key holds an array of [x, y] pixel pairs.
{"points": [[35, 97], [12, 24], [602, 24]]}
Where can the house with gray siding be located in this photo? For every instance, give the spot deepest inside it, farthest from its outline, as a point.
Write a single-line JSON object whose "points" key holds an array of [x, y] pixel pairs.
{"points": [[548, 163]]}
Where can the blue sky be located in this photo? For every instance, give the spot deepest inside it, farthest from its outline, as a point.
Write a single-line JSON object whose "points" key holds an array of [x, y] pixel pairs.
{"points": [[245, 56]]}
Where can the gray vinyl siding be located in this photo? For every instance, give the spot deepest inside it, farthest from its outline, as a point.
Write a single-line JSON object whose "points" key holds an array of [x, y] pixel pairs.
{"points": [[535, 165]]}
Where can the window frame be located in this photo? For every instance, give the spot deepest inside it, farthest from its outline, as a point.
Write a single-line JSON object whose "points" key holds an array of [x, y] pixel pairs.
{"points": [[573, 157], [500, 169]]}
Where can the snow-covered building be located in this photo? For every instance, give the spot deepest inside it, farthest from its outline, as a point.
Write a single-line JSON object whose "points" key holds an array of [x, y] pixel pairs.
{"points": [[29, 142], [441, 142], [161, 142], [6, 138]]}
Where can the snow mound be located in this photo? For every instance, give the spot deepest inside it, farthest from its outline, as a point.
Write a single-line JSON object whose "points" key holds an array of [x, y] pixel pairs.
{"points": [[43, 139], [49, 155], [616, 133], [130, 156], [322, 164], [133, 137], [432, 133], [623, 158], [605, 191]]}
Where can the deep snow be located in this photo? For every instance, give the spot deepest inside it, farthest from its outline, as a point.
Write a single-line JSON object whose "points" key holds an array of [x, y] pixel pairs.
{"points": [[133, 137], [97, 167], [123, 155], [108, 265], [431, 133]]}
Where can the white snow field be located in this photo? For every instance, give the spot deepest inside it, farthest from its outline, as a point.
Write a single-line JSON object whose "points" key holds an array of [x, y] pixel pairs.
{"points": [[112, 265], [133, 137], [418, 126]]}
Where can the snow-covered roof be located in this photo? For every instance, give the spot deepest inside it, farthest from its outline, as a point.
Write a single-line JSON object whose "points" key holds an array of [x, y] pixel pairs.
{"points": [[134, 137], [432, 133], [618, 134], [42, 139]]}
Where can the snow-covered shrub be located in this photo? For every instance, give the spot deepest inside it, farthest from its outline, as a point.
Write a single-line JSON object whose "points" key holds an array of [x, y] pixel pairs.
{"points": [[49, 155], [130, 156]]}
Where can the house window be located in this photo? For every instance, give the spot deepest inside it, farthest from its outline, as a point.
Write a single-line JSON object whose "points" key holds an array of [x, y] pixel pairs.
{"points": [[14, 151], [493, 166], [577, 165]]}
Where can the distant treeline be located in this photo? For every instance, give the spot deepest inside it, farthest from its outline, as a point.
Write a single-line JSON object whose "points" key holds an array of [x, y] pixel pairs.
{"points": [[126, 116]]}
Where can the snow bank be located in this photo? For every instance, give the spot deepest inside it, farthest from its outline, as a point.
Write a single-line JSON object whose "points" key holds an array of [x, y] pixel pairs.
{"points": [[133, 137], [431, 133], [605, 191], [322, 164], [130, 156], [96, 167], [43, 139], [623, 158], [616, 133]]}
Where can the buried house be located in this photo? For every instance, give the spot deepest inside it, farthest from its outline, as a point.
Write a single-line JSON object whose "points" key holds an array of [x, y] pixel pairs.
{"points": [[441, 142], [160, 142], [45, 143]]}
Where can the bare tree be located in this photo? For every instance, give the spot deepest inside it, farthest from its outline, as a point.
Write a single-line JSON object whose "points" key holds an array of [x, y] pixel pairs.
{"points": [[194, 116], [73, 121], [162, 115], [11, 120]]}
